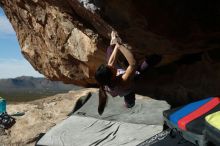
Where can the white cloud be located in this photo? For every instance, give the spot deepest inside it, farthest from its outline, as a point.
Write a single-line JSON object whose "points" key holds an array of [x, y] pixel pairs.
{"points": [[6, 29], [11, 68]]}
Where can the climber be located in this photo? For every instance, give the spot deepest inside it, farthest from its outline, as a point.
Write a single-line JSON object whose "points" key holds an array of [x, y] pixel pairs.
{"points": [[117, 81]]}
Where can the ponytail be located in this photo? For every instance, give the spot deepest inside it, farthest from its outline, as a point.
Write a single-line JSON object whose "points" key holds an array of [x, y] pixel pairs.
{"points": [[102, 100]]}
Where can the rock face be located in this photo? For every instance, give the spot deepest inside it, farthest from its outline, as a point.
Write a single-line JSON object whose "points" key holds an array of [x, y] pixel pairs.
{"points": [[54, 40], [66, 40]]}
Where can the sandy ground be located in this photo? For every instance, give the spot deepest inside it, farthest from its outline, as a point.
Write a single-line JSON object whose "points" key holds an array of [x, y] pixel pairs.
{"points": [[40, 115]]}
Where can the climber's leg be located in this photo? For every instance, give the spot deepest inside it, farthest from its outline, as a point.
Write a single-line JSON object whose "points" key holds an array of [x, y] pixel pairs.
{"points": [[149, 62]]}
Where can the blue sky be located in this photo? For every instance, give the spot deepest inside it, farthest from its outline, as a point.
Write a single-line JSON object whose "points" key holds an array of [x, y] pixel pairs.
{"points": [[12, 63]]}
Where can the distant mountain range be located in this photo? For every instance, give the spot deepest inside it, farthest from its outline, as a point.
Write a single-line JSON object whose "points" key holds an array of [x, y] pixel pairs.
{"points": [[27, 88]]}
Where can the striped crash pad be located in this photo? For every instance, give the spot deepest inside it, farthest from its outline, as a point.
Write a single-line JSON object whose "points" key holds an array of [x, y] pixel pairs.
{"points": [[190, 119], [192, 116], [117, 126]]}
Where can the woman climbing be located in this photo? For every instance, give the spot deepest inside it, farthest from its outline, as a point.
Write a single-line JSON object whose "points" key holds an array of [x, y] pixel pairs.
{"points": [[114, 80]]}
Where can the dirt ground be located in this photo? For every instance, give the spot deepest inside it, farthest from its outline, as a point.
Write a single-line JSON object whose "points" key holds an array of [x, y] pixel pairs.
{"points": [[40, 116]]}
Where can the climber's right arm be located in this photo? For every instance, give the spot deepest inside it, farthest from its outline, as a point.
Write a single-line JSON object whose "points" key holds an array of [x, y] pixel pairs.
{"points": [[130, 71], [113, 57]]}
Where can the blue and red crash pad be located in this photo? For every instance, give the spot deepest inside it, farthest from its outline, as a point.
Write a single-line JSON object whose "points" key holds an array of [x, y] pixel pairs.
{"points": [[187, 114], [190, 119]]}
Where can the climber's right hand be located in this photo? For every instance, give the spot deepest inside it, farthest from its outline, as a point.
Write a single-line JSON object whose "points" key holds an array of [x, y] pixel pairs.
{"points": [[114, 38]]}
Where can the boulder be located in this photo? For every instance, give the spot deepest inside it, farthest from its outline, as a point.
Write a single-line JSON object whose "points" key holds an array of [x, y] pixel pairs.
{"points": [[67, 41]]}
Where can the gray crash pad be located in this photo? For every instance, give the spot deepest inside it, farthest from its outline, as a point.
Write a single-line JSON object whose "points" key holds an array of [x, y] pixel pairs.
{"points": [[117, 126], [146, 110], [87, 131]]}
